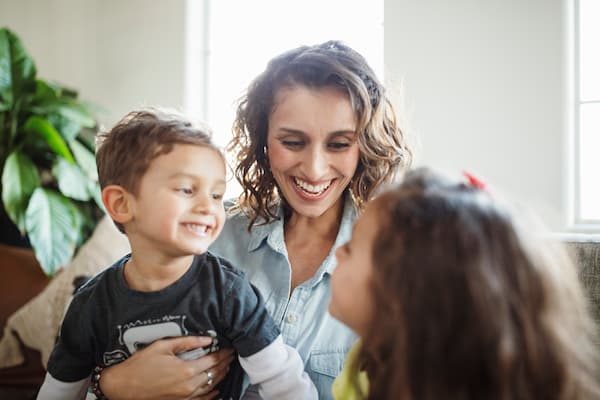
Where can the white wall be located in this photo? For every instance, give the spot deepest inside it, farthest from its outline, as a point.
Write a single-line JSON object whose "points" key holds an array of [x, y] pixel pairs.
{"points": [[118, 54], [485, 82], [486, 88]]}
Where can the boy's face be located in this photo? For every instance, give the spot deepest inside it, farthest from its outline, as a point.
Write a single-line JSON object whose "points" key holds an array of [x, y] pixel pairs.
{"points": [[178, 210]]}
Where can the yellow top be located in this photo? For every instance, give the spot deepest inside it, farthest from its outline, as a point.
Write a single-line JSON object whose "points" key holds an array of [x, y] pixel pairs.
{"points": [[342, 388]]}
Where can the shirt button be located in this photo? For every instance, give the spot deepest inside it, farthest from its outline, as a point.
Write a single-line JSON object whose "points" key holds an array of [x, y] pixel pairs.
{"points": [[291, 318]]}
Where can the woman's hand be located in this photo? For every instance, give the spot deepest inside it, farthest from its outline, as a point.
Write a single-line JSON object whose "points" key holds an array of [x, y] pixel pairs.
{"points": [[157, 373]]}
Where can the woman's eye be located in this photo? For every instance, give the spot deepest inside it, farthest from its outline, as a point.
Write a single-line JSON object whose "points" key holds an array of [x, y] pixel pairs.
{"points": [[337, 146], [292, 144]]}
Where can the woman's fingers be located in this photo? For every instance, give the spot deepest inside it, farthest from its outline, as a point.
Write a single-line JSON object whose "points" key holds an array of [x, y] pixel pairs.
{"points": [[185, 380], [180, 344], [208, 396], [210, 370], [214, 375]]}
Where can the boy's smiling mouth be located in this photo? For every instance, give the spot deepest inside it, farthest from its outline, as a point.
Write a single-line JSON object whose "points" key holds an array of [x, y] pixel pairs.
{"points": [[198, 229]]}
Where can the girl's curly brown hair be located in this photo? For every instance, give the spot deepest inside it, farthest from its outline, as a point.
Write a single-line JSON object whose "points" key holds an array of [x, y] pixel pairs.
{"points": [[384, 152], [471, 303]]}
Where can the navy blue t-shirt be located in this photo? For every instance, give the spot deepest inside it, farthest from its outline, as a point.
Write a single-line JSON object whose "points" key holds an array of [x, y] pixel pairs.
{"points": [[107, 321]]}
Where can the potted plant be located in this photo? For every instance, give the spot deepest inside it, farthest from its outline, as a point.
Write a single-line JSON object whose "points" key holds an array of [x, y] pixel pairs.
{"points": [[49, 181]]}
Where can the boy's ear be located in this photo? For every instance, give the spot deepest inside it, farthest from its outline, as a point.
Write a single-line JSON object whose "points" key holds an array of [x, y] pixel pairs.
{"points": [[117, 202]]}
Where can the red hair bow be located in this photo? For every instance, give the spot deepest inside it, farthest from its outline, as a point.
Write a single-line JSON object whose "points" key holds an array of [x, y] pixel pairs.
{"points": [[474, 181]]}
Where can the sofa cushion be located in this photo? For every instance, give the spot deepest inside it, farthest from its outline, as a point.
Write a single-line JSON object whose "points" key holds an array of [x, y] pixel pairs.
{"points": [[23, 279], [26, 281], [586, 251], [36, 323]]}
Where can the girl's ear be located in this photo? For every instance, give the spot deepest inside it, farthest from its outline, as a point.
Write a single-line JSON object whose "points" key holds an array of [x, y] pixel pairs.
{"points": [[117, 202]]}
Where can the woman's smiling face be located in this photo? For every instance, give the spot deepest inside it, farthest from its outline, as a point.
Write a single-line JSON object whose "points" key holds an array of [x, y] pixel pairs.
{"points": [[312, 147]]}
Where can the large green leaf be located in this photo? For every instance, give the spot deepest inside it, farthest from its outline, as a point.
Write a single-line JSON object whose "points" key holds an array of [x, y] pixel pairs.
{"points": [[45, 129], [17, 69], [85, 158], [68, 108], [72, 182], [44, 91], [96, 193], [79, 218], [19, 179], [52, 228], [77, 112], [68, 128]]}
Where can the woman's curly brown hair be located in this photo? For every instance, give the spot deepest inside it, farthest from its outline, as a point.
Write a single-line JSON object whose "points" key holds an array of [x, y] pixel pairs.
{"points": [[384, 152]]}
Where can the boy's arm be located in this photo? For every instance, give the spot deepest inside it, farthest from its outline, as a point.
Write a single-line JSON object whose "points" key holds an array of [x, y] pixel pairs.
{"points": [[53, 389], [279, 372], [71, 362]]}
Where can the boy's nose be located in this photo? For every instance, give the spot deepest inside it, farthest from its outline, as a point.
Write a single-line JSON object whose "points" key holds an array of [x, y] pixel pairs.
{"points": [[204, 204]]}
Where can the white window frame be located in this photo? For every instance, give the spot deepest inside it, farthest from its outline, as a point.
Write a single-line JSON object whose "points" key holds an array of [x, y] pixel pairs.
{"points": [[577, 221]]}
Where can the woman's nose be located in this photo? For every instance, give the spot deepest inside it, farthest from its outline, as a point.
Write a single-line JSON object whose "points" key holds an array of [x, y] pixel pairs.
{"points": [[317, 163]]}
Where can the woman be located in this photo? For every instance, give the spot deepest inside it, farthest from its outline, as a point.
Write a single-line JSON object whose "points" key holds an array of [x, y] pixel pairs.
{"points": [[315, 137]]}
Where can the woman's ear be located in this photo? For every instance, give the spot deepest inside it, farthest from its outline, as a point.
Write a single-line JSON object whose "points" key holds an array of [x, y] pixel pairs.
{"points": [[117, 202]]}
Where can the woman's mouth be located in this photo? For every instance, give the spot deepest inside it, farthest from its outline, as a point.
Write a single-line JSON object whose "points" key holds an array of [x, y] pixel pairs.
{"points": [[310, 190]]}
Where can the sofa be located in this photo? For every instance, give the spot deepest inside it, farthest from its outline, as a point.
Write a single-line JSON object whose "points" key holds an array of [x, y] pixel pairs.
{"points": [[22, 280], [32, 305], [585, 250]]}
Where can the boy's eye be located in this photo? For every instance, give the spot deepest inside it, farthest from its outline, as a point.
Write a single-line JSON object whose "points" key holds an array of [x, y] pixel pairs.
{"points": [[217, 196], [186, 190]]}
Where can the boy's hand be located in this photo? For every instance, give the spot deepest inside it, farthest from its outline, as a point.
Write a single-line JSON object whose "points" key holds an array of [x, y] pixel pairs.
{"points": [[157, 373]]}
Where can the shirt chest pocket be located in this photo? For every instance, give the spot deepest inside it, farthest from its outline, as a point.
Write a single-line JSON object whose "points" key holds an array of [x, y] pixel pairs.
{"points": [[323, 368]]}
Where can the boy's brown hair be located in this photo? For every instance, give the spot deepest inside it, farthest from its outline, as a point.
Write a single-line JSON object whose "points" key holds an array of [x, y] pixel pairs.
{"points": [[124, 153]]}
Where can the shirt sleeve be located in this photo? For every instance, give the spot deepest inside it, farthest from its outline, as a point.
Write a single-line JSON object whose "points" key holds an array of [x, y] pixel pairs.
{"points": [[279, 372], [72, 358], [53, 389], [247, 322]]}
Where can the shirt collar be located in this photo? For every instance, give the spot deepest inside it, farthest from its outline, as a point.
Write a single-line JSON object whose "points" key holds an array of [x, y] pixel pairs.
{"points": [[273, 234]]}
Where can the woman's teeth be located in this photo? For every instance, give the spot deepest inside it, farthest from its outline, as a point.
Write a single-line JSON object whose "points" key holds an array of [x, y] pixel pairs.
{"points": [[314, 190]]}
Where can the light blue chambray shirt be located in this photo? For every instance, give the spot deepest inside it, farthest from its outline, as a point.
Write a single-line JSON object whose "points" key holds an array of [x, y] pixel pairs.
{"points": [[304, 321]]}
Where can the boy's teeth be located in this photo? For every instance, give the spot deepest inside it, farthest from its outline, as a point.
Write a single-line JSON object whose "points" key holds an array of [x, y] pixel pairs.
{"points": [[314, 189], [198, 228]]}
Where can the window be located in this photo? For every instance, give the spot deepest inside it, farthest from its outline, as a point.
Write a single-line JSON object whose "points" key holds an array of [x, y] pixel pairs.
{"points": [[587, 112], [240, 37]]}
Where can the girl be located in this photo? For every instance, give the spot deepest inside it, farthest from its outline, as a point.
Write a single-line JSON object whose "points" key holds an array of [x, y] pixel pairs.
{"points": [[454, 299]]}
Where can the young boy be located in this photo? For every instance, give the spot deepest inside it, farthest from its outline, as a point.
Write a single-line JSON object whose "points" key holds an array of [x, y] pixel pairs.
{"points": [[163, 183]]}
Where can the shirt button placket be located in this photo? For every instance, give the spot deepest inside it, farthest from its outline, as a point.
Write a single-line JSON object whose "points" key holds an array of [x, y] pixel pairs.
{"points": [[291, 318], [292, 325]]}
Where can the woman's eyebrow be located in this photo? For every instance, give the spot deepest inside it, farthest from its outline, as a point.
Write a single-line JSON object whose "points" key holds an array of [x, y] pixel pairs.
{"points": [[340, 132], [291, 131], [343, 132]]}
